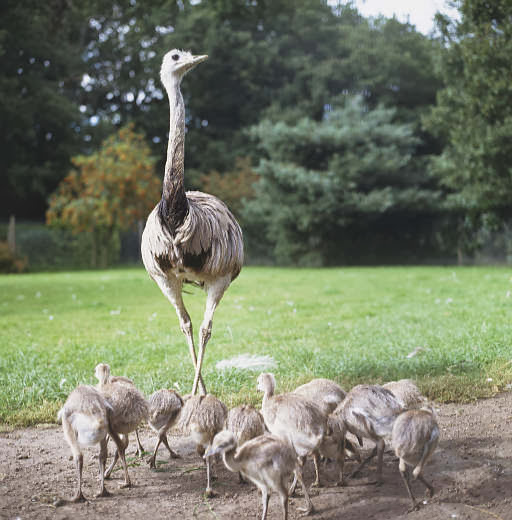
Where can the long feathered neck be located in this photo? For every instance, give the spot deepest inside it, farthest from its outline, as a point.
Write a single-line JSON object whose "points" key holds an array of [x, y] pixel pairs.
{"points": [[230, 461], [103, 376], [174, 205], [268, 392]]}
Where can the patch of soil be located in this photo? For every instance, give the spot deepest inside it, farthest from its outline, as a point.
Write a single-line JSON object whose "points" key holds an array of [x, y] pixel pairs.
{"points": [[471, 471]]}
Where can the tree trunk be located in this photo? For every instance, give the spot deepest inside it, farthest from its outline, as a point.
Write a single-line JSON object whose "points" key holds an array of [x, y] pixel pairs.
{"points": [[104, 256], [11, 235], [460, 257], [107, 237], [140, 230], [93, 250]]}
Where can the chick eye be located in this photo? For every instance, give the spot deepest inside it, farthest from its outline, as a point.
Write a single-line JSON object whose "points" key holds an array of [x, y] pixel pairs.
{"points": [[175, 57]]}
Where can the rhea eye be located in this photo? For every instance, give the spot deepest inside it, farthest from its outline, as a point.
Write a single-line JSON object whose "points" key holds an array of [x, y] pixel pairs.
{"points": [[175, 57]]}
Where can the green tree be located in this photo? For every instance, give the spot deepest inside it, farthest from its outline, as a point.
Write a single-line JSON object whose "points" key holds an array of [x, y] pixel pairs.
{"points": [[281, 60], [41, 57], [474, 111], [109, 191], [235, 187], [89, 68], [343, 189]]}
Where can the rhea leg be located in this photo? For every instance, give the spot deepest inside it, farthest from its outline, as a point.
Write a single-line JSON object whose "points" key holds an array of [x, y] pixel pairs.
{"points": [[124, 440], [172, 453], [380, 454], [404, 473], [171, 287], [121, 443], [341, 461], [363, 463], [140, 448], [417, 472], [309, 505], [427, 485], [265, 497], [102, 459], [79, 497], [293, 486], [70, 436], [283, 497], [316, 457], [209, 491], [213, 297], [153, 457]]}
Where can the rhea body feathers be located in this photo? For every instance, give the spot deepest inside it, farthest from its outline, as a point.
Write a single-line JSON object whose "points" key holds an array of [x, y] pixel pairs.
{"points": [[164, 408], [128, 409], [407, 393], [205, 246], [245, 422], [297, 421], [86, 420], [369, 411], [292, 417], [266, 460], [325, 393], [202, 417], [86, 412], [414, 438], [189, 236]]}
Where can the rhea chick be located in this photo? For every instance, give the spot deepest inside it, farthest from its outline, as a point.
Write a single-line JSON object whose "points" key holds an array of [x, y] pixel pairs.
{"points": [[99, 371], [202, 417], [245, 423], [296, 420], [267, 461], [164, 408], [369, 411], [335, 446], [129, 408], [85, 422], [414, 438], [407, 393], [325, 393]]}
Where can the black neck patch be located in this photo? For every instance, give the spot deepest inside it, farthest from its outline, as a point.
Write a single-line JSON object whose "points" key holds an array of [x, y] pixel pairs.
{"points": [[173, 210]]}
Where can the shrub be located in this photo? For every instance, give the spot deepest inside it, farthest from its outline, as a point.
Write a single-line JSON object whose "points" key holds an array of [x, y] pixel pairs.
{"points": [[9, 261]]}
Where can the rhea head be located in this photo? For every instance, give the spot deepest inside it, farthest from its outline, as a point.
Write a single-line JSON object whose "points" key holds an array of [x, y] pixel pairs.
{"points": [[176, 64], [102, 373]]}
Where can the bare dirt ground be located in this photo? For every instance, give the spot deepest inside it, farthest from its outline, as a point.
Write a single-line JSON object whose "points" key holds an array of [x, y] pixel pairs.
{"points": [[471, 471]]}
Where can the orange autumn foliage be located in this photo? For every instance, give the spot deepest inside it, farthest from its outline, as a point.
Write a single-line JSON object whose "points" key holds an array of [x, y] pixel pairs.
{"points": [[110, 189]]}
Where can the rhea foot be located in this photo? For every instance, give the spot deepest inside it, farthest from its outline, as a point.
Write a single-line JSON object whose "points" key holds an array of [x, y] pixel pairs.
{"points": [[306, 510], [79, 497], [103, 493], [415, 507], [209, 493]]}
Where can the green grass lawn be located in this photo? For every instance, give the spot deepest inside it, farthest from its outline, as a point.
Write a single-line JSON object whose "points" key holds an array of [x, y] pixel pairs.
{"points": [[349, 324]]}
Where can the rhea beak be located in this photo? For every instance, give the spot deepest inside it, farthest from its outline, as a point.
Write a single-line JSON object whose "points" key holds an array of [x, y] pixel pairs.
{"points": [[199, 59], [210, 452], [194, 60]]}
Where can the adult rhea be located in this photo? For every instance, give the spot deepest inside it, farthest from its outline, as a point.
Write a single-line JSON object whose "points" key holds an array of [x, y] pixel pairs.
{"points": [[189, 236]]}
